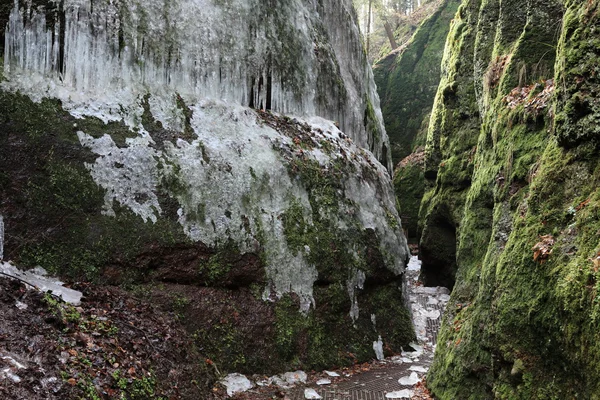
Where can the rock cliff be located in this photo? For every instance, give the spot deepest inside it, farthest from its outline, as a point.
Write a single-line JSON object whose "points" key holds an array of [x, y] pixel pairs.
{"points": [[192, 151], [510, 216]]}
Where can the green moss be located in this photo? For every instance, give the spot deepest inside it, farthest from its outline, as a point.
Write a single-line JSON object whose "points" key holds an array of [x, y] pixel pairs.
{"points": [[407, 80], [508, 309]]}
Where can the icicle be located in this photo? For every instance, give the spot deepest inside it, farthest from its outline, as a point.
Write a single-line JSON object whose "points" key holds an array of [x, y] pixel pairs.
{"points": [[115, 55]]}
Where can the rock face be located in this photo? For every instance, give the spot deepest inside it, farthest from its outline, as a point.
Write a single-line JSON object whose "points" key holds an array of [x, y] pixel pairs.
{"points": [[132, 152], [408, 77], [407, 80], [512, 159]]}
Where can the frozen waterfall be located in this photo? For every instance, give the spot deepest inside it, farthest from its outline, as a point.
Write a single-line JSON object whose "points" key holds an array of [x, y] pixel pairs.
{"points": [[100, 57]]}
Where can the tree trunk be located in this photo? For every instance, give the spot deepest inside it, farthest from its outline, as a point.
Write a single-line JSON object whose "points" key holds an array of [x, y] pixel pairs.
{"points": [[390, 34], [369, 25]]}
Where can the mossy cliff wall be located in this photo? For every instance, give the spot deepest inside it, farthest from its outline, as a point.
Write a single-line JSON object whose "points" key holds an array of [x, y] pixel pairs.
{"points": [[407, 80], [408, 77], [513, 167], [276, 238]]}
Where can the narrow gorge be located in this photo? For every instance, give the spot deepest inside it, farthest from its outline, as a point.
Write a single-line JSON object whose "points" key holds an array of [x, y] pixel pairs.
{"points": [[229, 186]]}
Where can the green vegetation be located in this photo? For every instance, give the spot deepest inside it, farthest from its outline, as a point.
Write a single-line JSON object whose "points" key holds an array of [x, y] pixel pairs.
{"points": [[511, 177], [407, 80]]}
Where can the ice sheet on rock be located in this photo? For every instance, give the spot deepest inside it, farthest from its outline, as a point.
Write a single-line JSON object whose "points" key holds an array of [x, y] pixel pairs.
{"points": [[311, 394], [101, 60], [236, 383], [399, 394], [43, 283], [129, 174], [198, 60], [378, 348], [411, 380]]}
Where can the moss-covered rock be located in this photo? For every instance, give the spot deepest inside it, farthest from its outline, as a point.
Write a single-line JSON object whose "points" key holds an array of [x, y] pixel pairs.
{"points": [[408, 77], [521, 322]]}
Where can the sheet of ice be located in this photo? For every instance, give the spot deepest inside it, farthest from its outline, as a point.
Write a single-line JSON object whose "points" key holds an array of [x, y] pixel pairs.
{"points": [[112, 52], [332, 374], [321, 382], [43, 283], [418, 368], [120, 57], [236, 383], [378, 348], [399, 394], [411, 380], [311, 394]]}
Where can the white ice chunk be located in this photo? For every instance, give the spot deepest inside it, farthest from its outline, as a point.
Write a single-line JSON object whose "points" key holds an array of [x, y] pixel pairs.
{"points": [[9, 374], [400, 394], [14, 362], [324, 382], [20, 305], [311, 394], [44, 284], [418, 368], [431, 314], [332, 374], [378, 348], [295, 377], [411, 380], [236, 383], [414, 264]]}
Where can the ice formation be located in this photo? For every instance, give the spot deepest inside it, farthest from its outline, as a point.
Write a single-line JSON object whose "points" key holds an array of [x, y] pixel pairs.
{"points": [[42, 282], [378, 348], [301, 58], [218, 61], [399, 394], [311, 394], [236, 383], [413, 379]]}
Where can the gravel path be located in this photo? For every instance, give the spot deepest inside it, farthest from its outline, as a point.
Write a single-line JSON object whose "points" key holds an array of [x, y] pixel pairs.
{"points": [[396, 377]]}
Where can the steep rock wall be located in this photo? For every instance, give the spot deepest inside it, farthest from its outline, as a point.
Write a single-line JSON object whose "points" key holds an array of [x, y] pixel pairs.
{"points": [[513, 167], [407, 79], [130, 155]]}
